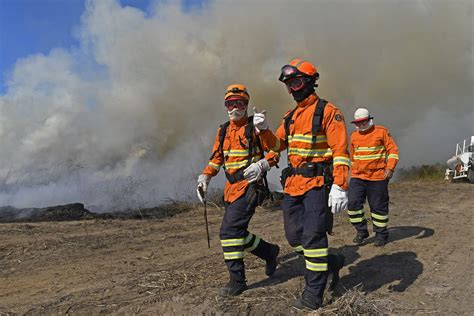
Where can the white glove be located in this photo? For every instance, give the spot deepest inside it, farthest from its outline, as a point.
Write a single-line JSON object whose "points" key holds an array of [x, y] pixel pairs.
{"points": [[254, 172], [203, 181], [260, 120], [337, 199]]}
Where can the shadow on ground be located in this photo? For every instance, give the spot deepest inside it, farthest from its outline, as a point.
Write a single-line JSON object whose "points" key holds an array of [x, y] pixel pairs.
{"points": [[371, 273]]}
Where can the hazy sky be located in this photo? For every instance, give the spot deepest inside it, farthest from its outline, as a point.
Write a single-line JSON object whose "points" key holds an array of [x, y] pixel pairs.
{"points": [[122, 111]]}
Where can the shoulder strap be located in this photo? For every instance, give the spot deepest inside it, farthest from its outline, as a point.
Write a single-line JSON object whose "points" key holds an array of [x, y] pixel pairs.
{"points": [[318, 117], [249, 136], [286, 123], [222, 132]]}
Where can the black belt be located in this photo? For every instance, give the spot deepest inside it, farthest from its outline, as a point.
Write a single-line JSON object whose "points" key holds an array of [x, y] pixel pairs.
{"points": [[236, 177], [310, 169]]}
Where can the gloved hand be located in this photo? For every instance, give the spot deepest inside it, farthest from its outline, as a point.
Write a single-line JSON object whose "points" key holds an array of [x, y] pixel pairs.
{"points": [[254, 172], [203, 181], [337, 199], [388, 174], [260, 119]]}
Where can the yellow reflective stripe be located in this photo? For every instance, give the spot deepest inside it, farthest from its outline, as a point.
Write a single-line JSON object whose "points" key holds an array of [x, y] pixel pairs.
{"points": [[316, 266], [379, 224], [316, 253], [255, 244], [236, 165], [215, 166], [394, 156], [369, 157], [276, 148], [355, 212], [310, 152], [233, 242], [239, 153], [298, 248], [377, 216], [356, 220], [233, 255], [341, 160], [358, 149], [307, 138]]}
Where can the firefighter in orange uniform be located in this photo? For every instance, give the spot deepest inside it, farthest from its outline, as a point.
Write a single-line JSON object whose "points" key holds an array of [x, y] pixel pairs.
{"points": [[374, 156], [238, 150], [316, 179]]}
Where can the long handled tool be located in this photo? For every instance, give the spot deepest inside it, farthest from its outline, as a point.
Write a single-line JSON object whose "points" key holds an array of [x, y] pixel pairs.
{"points": [[204, 201], [207, 225]]}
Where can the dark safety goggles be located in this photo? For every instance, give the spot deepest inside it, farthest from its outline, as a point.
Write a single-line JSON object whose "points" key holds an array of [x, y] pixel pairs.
{"points": [[295, 84], [236, 103], [288, 72]]}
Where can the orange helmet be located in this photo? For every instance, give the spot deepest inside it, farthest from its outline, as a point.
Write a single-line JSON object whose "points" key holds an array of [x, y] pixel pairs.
{"points": [[298, 68], [237, 91]]}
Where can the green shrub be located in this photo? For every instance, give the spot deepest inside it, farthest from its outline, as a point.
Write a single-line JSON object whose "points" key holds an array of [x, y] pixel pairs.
{"points": [[422, 173]]}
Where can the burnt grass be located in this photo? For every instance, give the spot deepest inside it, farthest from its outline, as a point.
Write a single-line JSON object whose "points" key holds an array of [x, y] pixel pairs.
{"points": [[77, 211]]}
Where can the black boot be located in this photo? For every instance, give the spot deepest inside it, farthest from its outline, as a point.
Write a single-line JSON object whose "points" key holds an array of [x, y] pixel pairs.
{"points": [[335, 263], [308, 301], [360, 237], [233, 288], [380, 240], [272, 263]]}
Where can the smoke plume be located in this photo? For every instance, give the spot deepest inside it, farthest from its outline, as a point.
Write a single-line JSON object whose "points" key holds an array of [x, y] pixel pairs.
{"points": [[127, 119]]}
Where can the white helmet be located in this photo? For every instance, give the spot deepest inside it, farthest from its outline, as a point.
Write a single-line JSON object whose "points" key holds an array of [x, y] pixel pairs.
{"points": [[361, 114]]}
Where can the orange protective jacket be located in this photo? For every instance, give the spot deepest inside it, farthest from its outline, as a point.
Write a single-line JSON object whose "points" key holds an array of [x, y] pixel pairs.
{"points": [[330, 145], [235, 151], [372, 152]]}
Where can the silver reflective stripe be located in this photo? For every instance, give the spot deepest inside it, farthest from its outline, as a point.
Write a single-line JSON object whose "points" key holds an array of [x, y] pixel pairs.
{"points": [[316, 266], [355, 212], [379, 224], [341, 160], [377, 216], [233, 242], [316, 253], [307, 139], [215, 166], [233, 255], [255, 244], [369, 157], [376, 148], [298, 248], [310, 152]]}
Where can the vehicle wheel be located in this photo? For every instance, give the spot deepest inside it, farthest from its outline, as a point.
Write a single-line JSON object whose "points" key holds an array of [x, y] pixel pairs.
{"points": [[470, 176]]}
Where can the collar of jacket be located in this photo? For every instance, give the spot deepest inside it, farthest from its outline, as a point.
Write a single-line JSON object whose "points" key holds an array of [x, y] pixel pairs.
{"points": [[239, 123], [308, 101]]}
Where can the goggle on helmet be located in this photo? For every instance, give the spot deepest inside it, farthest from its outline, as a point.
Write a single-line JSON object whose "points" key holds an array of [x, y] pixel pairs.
{"points": [[298, 68]]}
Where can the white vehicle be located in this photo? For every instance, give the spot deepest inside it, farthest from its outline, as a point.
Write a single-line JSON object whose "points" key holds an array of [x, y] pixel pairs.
{"points": [[461, 165]]}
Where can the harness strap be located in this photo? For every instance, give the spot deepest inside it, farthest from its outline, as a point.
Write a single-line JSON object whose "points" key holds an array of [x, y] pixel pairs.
{"points": [[317, 123]]}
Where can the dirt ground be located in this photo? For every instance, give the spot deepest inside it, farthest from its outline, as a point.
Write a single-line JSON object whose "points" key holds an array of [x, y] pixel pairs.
{"points": [[164, 266]]}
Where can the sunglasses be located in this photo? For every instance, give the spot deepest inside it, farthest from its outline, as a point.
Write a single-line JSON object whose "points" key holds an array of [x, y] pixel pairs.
{"points": [[238, 103]]}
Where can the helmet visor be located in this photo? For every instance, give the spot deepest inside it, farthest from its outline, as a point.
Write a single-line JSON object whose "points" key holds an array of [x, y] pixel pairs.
{"points": [[239, 104]]}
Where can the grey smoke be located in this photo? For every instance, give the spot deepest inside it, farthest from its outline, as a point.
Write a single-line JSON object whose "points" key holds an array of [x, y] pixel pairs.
{"points": [[128, 118]]}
